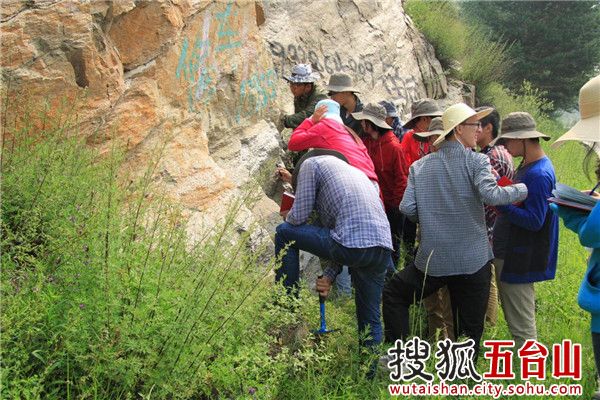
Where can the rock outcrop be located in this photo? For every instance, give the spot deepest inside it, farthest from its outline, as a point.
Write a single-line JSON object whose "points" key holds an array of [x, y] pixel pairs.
{"points": [[201, 79]]}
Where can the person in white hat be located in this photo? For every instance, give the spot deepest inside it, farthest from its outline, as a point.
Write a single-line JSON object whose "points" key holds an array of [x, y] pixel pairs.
{"points": [[525, 238], [445, 194], [587, 225]]}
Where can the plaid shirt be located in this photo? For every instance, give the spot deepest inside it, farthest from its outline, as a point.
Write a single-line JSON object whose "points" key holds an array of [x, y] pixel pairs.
{"points": [[502, 165], [346, 201], [445, 194]]}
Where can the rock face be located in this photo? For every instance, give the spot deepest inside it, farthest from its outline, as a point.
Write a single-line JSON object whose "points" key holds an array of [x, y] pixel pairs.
{"points": [[202, 79]]}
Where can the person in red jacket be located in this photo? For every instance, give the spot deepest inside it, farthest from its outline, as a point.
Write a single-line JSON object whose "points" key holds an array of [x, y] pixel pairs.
{"points": [[325, 130], [386, 152]]}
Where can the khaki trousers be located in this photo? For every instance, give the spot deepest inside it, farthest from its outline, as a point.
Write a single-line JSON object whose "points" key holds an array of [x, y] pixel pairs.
{"points": [[439, 314], [518, 304], [491, 314]]}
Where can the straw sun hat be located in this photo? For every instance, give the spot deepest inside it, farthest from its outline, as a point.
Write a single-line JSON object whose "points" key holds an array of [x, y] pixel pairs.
{"points": [[456, 115], [587, 129]]}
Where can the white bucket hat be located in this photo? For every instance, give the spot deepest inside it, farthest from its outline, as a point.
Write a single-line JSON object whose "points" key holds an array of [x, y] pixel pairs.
{"points": [[587, 129], [455, 115]]}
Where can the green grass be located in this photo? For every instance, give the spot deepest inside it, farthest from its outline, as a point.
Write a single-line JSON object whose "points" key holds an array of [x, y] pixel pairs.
{"points": [[464, 50]]}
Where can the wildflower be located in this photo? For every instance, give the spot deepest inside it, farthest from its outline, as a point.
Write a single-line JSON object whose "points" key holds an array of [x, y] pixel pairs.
{"points": [[81, 306]]}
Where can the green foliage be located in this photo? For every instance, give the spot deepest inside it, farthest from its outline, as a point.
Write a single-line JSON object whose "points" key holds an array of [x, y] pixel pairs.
{"points": [[104, 297], [556, 44], [527, 98], [465, 49]]}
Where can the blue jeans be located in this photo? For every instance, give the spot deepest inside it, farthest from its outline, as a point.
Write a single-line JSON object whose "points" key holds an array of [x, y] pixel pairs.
{"points": [[343, 282], [369, 267]]}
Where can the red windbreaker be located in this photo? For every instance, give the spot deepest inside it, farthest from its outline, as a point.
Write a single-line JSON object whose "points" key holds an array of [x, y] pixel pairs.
{"points": [[390, 166], [412, 148], [330, 134]]}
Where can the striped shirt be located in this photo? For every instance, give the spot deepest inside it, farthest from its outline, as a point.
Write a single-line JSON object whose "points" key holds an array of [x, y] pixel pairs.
{"points": [[445, 194]]}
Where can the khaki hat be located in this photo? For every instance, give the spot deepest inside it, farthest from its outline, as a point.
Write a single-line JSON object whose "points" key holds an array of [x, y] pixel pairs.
{"points": [[588, 127], [519, 125], [436, 127], [340, 82], [375, 113], [423, 108], [455, 115]]}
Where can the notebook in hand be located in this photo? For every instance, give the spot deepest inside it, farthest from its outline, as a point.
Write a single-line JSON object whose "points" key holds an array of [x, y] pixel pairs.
{"points": [[287, 201], [568, 196]]}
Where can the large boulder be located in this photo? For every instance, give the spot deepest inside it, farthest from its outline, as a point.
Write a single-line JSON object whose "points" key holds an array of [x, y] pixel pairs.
{"points": [[200, 81]]}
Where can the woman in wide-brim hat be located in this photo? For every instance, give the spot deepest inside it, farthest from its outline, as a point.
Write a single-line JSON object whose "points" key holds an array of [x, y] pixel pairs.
{"points": [[587, 225]]}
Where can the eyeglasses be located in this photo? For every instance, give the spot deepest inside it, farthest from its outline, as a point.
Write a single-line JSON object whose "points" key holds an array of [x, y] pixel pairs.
{"points": [[477, 124]]}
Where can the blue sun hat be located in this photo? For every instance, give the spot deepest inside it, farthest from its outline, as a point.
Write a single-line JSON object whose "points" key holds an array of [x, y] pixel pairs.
{"points": [[333, 109], [390, 108], [302, 73]]}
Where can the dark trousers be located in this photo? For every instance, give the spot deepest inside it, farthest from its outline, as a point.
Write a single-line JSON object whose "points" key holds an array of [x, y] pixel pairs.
{"points": [[409, 234], [468, 297], [369, 267], [396, 220]]}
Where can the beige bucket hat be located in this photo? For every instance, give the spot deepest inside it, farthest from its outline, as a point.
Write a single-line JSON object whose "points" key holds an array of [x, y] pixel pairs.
{"points": [[455, 115], [375, 113], [436, 127], [340, 82], [519, 125], [588, 127], [423, 108]]}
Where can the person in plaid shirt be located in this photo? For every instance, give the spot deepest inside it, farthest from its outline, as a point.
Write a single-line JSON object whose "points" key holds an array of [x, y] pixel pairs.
{"points": [[502, 165], [353, 230]]}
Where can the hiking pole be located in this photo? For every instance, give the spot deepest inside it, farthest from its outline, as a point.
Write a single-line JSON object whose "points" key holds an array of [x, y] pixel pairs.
{"points": [[323, 329]]}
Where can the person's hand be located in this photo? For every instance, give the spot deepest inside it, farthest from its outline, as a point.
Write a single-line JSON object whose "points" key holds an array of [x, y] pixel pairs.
{"points": [[284, 174], [284, 214], [323, 286], [319, 114], [595, 195]]}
